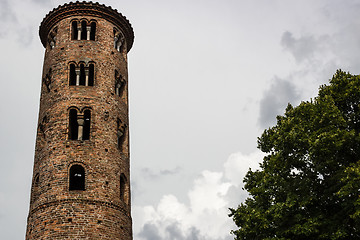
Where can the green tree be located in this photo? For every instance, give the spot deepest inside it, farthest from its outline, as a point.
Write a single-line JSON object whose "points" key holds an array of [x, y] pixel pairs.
{"points": [[308, 185]]}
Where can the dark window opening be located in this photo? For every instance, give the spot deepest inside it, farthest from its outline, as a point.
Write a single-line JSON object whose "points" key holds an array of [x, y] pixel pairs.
{"points": [[36, 180], [77, 178], [73, 125], [47, 80], [74, 30], [91, 74], [119, 84], [120, 134], [86, 130], [118, 41], [122, 187], [72, 74], [83, 30], [92, 31], [120, 140], [122, 88], [82, 75], [52, 38]]}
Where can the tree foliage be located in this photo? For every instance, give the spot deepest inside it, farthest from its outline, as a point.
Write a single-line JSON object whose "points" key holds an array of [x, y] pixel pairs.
{"points": [[308, 185]]}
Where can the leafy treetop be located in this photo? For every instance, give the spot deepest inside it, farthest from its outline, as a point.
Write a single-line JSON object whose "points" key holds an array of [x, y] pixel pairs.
{"points": [[308, 184]]}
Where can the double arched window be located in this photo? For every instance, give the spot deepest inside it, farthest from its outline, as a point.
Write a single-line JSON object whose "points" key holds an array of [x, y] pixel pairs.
{"points": [[83, 30], [47, 79], [82, 74], [121, 132], [76, 177], [79, 124], [119, 84], [124, 189], [52, 38], [119, 40]]}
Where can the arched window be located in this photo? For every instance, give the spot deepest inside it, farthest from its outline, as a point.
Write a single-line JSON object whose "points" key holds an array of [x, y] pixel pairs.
{"points": [[47, 79], [91, 74], [36, 180], [73, 125], [74, 30], [119, 40], [82, 74], [92, 31], [77, 178], [119, 84], [120, 134], [52, 38], [72, 74], [87, 118], [79, 125], [123, 188], [83, 30]]}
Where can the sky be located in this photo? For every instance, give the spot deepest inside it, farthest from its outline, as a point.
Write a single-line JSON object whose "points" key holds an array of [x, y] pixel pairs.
{"points": [[206, 78]]}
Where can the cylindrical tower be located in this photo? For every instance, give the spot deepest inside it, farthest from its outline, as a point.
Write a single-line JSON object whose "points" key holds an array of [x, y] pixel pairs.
{"points": [[81, 175]]}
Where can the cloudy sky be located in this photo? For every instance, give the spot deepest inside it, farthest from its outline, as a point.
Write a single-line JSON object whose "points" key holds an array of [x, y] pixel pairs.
{"points": [[206, 78]]}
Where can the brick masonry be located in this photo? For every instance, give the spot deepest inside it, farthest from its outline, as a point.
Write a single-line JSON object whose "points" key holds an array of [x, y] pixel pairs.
{"points": [[102, 210]]}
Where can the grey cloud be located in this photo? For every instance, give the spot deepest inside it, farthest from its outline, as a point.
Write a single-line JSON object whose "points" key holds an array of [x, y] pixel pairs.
{"points": [[172, 232], [6, 12], [235, 196], [149, 173], [302, 48], [171, 171], [45, 2], [275, 100], [25, 36], [149, 232], [7, 17]]}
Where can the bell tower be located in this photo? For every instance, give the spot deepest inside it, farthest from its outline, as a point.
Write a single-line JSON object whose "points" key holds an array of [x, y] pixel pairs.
{"points": [[81, 175]]}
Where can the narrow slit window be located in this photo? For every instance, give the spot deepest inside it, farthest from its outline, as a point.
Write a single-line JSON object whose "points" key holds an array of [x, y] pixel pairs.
{"points": [[72, 75], [91, 74], [87, 120], [122, 187], [74, 30], [118, 40], [82, 75], [92, 31], [36, 180], [122, 88], [83, 30], [120, 134], [77, 178], [73, 125], [119, 84]]}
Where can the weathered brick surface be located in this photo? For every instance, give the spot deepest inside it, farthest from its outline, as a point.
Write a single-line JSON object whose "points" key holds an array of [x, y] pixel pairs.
{"points": [[98, 212]]}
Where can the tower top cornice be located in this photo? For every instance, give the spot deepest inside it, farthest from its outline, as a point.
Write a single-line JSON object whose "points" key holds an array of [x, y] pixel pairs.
{"points": [[90, 9]]}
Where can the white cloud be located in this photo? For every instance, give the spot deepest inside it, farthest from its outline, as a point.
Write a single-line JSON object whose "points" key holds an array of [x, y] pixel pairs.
{"points": [[206, 215]]}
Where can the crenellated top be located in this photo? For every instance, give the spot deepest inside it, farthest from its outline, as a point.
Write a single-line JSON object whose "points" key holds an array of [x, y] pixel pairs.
{"points": [[90, 9]]}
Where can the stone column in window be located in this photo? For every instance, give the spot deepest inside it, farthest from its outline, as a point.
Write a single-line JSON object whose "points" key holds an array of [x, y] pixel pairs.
{"points": [[79, 31], [118, 86], [86, 76], [119, 44], [88, 30], [80, 121], [77, 71], [116, 38]]}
